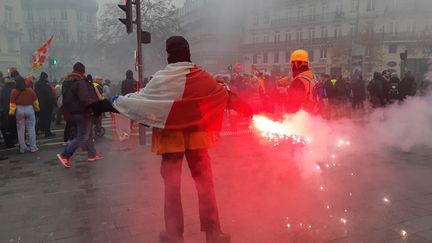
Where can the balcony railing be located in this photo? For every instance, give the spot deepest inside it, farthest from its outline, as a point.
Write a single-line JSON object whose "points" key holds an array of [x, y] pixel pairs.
{"points": [[402, 36], [330, 41], [308, 19]]}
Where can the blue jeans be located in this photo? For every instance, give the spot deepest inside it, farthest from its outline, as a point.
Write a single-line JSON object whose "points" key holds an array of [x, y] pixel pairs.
{"points": [[26, 120], [83, 136]]}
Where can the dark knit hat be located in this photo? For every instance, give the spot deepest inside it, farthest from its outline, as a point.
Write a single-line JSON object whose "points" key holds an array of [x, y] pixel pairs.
{"points": [[79, 68], [177, 48]]}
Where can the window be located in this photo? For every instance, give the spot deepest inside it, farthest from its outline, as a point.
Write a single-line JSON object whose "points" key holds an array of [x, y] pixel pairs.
{"points": [[288, 36], [323, 32], [339, 8], [370, 5], [311, 55], [64, 35], [276, 57], [255, 59], [30, 15], [368, 51], [8, 10], [63, 14], [353, 29], [323, 53], [354, 6], [266, 37], [79, 16], [312, 13], [412, 27], [311, 34], [392, 48], [277, 37], [394, 26], [265, 58], [299, 15], [255, 18], [324, 9], [338, 32], [299, 35], [32, 34], [255, 38], [266, 18]]}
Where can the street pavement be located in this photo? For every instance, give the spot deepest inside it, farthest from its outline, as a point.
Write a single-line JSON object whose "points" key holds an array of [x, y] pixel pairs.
{"points": [[263, 195]]}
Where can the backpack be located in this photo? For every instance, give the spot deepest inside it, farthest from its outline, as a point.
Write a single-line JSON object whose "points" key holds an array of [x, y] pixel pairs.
{"points": [[393, 92]]}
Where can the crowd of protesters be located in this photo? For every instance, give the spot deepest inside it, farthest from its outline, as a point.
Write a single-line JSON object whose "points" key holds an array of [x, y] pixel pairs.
{"points": [[338, 96], [30, 106]]}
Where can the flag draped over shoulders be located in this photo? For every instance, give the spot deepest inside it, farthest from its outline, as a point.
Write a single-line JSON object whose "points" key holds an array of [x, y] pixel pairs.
{"points": [[180, 97]]}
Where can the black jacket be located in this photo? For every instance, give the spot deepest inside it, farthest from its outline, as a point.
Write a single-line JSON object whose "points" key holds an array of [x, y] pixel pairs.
{"points": [[5, 97], [45, 94], [128, 86], [78, 94]]}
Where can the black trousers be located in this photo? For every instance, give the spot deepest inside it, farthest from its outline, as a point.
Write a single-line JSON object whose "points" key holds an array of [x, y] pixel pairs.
{"points": [[9, 129], [44, 122]]}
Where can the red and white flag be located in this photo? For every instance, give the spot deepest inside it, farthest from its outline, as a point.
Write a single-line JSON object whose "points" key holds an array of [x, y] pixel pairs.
{"points": [[181, 96], [39, 56]]}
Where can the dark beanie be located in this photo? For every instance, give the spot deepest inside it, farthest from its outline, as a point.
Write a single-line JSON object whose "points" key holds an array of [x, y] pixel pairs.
{"points": [[177, 48], [79, 68], [43, 76]]}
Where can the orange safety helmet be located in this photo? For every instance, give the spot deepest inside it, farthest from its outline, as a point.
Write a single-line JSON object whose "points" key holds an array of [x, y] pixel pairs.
{"points": [[300, 56]]}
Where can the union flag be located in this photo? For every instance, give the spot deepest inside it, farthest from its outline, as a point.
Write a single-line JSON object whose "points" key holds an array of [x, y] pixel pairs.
{"points": [[39, 56]]}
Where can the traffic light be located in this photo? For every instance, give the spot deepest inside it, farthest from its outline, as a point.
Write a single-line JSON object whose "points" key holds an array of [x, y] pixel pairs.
{"points": [[127, 8], [55, 62]]}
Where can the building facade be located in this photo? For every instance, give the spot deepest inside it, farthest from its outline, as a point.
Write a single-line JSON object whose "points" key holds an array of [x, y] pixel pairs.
{"points": [[214, 29], [340, 35], [73, 24], [11, 28]]}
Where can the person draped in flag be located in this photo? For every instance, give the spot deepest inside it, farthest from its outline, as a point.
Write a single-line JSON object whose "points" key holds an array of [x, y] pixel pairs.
{"points": [[184, 104]]}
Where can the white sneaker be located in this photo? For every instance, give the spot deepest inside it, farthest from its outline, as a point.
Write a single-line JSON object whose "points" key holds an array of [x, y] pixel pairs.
{"points": [[34, 150]]}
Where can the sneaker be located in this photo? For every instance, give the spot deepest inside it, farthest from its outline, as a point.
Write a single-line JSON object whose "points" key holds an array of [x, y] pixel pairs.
{"points": [[64, 160], [34, 150], [97, 157]]}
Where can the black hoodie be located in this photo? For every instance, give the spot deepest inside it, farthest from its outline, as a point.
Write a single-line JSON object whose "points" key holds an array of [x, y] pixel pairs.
{"points": [[44, 92]]}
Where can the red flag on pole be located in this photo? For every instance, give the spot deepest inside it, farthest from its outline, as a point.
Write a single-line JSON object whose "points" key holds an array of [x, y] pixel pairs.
{"points": [[39, 56]]}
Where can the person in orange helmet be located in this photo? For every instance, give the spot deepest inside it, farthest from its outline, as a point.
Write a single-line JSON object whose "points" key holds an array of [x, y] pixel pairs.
{"points": [[301, 91]]}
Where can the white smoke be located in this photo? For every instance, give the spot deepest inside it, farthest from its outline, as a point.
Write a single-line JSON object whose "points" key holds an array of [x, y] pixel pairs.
{"points": [[401, 126]]}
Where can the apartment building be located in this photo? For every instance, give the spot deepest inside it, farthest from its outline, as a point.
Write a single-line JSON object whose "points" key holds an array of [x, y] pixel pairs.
{"points": [[340, 35]]}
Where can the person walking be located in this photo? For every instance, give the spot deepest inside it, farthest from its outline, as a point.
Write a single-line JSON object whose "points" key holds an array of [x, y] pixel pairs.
{"points": [[129, 85], [78, 96], [185, 105], [24, 103], [8, 123], [47, 100]]}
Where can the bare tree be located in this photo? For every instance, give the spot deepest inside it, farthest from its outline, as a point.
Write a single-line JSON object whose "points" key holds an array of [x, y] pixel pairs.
{"points": [[158, 18]]}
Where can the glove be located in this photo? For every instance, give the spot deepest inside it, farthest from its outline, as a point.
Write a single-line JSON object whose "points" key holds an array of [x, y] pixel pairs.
{"points": [[102, 106], [113, 99]]}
